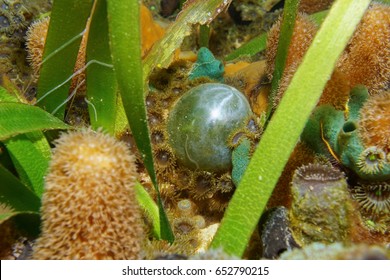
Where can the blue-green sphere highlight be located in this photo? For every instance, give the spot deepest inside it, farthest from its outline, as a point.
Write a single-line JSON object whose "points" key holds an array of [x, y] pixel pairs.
{"points": [[200, 123]]}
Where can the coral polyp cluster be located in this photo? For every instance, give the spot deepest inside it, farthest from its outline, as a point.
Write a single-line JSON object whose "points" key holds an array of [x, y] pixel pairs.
{"points": [[15, 17], [89, 209]]}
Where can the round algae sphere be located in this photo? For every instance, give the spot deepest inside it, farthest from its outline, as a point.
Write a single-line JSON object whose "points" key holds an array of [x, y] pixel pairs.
{"points": [[200, 123]]}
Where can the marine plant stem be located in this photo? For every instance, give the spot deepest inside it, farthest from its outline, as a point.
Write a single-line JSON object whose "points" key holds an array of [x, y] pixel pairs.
{"points": [[101, 82], [286, 125], [125, 41], [67, 24], [286, 32]]}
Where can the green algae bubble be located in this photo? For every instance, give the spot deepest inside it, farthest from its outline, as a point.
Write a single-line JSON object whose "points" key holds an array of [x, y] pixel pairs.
{"points": [[200, 123]]}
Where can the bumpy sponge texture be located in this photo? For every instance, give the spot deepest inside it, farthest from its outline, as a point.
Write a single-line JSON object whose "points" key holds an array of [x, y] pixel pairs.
{"points": [[89, 209], [374, 121], [367, 57]]}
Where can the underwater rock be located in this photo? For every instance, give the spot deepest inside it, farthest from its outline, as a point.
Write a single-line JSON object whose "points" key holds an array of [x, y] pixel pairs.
{"points": [[275, 233], [200, 123], [321, 209], [168, 7], [213, 254], [337, 251]]}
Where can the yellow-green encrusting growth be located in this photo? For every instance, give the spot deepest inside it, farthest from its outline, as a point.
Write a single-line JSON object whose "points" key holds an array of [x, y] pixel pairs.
{"points": [[89, 209], [321, 209]]}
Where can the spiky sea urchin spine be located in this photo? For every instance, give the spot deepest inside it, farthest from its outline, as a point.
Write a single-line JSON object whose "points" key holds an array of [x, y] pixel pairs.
{"points": [[321, 209], [89, 209]]}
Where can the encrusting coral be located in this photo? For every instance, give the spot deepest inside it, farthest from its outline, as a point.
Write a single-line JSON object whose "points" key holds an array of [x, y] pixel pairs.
{"points": [[89, 209]]}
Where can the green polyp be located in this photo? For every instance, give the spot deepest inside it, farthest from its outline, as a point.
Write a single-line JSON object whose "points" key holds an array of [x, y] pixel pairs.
{"points": [[240, 160], [207, 66], [358, 97], [201, 122]]}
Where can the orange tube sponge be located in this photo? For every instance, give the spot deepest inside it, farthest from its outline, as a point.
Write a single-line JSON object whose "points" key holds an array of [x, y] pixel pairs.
{"points": [[89, 209], [374, 121], [367, 57]]}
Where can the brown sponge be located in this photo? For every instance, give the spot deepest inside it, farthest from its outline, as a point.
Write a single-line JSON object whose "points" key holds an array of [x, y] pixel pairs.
{"points": [[366, 59], [89, 209]]}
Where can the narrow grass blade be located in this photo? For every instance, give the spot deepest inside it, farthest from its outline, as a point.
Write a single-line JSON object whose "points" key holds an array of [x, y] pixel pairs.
{"points": [[67, 23], [150, 208], [26, 223], [16, 195], [286, 31], [18, 118], [204, 36], [30, 154], [101, 82], [193, 12], [250, 48], [125, 39], [286, 125], [259, 43], [25, 143]]}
